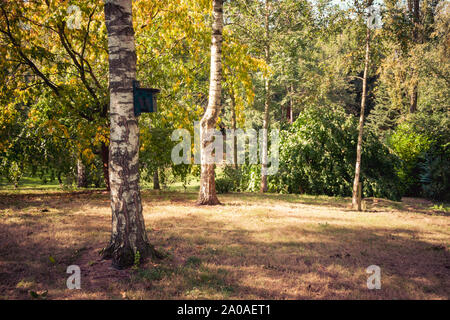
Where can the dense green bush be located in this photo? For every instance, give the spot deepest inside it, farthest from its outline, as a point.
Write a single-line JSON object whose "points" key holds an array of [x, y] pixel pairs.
{"points": [[224, 185], [410, 146], [318, 152], [232, 179], [245, 177], [435, 175], [422, 142]]}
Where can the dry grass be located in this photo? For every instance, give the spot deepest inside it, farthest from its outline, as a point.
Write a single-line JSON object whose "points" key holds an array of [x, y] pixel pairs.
{"points": [[251, 247]]}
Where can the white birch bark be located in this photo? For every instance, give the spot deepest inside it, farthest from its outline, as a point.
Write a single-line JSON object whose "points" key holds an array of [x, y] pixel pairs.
{"points": [[207, 193], [264, 144], [128, 235]]}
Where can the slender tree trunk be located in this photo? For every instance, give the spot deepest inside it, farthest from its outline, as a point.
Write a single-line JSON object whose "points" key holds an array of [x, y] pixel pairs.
{"points": [[414, 8], [58, 176], [266, 106], [156, 185], [105, 161], [291, 105], [207, 194], [361, 124], [413, 98], [233, 127], [286, 117], [291, 115], [81, 174], [128, 237]]}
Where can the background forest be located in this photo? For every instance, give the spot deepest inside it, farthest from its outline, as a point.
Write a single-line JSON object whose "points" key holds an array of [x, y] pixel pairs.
{"points": [[299, 62]]}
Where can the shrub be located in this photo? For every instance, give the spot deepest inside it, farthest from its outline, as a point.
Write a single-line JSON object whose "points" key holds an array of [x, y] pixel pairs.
{"points": [[245, 177], [318, 153], [410, 146], [421, 142], [435, 176], [224, 185]]}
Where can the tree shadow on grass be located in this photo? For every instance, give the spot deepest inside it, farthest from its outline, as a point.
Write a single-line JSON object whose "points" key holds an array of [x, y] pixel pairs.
{"points": [[214, 258], [34, 255], [327, 263]]}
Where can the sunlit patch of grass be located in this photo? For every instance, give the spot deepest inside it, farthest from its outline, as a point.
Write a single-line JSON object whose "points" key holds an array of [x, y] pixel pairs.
{"points": [[30, 183], [441, 207]]}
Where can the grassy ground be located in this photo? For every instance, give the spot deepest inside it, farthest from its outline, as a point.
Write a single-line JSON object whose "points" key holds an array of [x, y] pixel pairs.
{"points": [[251, 247], [29, 183]]}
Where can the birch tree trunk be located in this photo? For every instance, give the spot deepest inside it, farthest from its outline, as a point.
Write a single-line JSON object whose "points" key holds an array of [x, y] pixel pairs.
{"points": [[233, 127], [266, 106], [361, 125], [207, 194], [128, 237], [81, 174]]}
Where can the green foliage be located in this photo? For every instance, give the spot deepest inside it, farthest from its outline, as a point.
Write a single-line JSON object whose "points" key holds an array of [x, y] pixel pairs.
{"points": [[317, 156], [409, 146], [434, 176], [422, 144], [54, 91], [15, 172], [440, 207], [155, 150], [246, 177], [224, 185], [253, 177], [137, 260], [54, 85], [95, 176]]}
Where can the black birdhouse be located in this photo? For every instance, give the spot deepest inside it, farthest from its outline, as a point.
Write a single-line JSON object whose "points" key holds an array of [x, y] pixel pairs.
{"points": [[144, 99]]}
